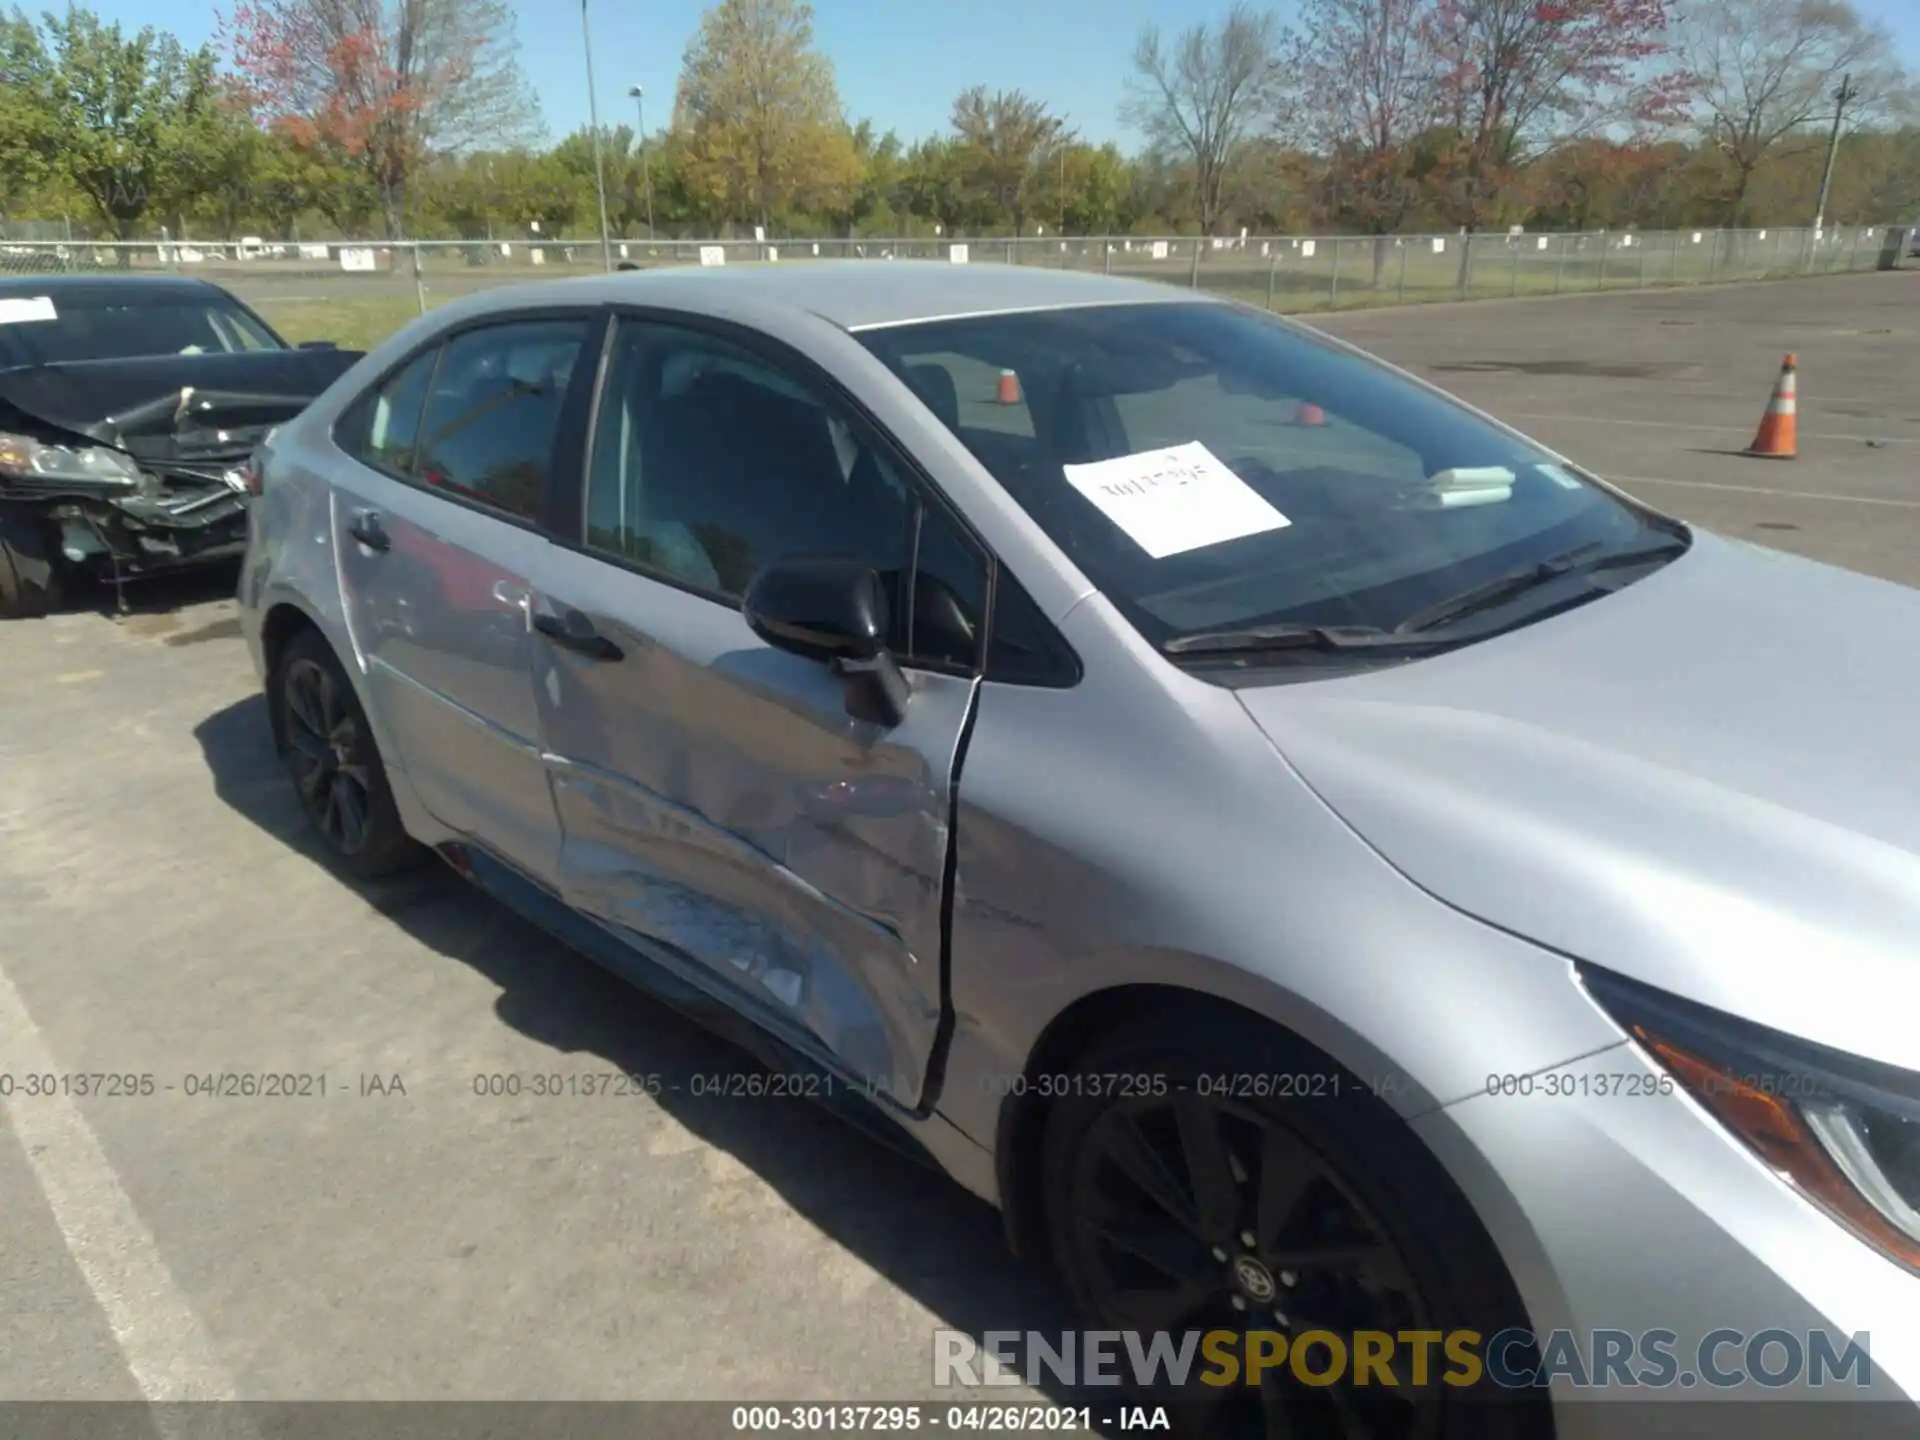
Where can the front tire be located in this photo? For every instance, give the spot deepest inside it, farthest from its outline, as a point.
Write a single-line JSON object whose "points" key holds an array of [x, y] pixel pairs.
{"points": [[30, 566], [1183, 1194], [337, 773]]}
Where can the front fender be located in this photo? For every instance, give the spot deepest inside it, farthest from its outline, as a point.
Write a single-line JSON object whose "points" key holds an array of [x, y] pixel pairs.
{"points": [[1140, 830]]}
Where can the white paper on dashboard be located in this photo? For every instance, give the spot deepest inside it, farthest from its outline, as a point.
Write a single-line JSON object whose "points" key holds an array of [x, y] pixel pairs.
{"points": [[1561, 476], [19, 309], [1176, 499], [1474, 477]]}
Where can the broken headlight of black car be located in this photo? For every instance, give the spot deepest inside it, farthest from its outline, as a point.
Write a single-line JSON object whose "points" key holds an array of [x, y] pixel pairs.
{"points": [[32, 465]]}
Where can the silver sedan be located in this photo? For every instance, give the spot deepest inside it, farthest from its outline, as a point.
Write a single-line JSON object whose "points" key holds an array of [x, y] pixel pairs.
{"points": [[1352, 887]]}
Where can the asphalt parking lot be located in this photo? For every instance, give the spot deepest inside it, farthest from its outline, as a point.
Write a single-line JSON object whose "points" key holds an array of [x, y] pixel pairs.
{"points": [[407, 1236], [1658, 390]]}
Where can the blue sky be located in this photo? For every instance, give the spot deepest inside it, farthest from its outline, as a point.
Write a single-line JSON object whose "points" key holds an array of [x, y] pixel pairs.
{"points": [[899, 64]]}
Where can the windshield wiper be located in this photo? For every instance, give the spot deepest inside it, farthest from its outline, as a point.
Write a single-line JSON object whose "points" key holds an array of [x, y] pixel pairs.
{"points": [[1505, 587], [1417, 633], [1299, 637]]}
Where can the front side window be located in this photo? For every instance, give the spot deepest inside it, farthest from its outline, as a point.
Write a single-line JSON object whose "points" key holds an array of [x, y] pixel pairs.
{"points": [[710, 462], [493, 412], [1211, 469]]}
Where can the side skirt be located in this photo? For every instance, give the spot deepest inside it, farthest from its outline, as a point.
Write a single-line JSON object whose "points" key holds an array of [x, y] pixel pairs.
{"points": [[840, 1095]]}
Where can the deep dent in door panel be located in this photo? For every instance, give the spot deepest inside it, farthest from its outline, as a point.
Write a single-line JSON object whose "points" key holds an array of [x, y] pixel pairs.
{"points": [[733, 812], [638, 859]]}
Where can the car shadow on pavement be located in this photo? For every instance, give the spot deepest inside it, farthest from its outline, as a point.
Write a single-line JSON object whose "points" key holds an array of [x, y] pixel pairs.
{"points": [[157, 595], [923, 1233]]}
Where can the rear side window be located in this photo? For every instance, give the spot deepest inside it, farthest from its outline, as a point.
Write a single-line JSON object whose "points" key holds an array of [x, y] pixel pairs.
{"points": [[383, 427], [493, 412]]}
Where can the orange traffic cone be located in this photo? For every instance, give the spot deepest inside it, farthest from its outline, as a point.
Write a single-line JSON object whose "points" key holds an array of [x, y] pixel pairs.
{"points": [[1777, 439], [1009, 391], [1309, 414]]}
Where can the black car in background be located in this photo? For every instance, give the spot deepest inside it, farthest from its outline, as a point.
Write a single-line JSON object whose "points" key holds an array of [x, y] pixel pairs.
{"points": [[129, 408]]}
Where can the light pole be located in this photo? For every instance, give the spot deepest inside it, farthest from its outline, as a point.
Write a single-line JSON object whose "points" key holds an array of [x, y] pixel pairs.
{"points": [[646, 175], [593, 119], [1842, 98]]}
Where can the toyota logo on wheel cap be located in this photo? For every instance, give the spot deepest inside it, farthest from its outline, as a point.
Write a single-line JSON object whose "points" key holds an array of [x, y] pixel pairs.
{"points": [[1254, 1279]]}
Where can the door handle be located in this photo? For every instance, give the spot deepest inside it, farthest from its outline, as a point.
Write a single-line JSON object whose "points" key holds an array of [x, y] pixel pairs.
{"points": [[365, 527], [572, 630]]}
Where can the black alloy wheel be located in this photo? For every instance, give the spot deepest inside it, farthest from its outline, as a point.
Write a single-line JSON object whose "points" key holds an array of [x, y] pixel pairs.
{"points": [[1187, 1207], [1202, 1214], [330, 752], [323, 748]]}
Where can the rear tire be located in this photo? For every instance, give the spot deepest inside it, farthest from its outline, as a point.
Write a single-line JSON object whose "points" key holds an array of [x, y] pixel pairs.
{"points": [[330, 754], [30, 566], [1178, 1200]]}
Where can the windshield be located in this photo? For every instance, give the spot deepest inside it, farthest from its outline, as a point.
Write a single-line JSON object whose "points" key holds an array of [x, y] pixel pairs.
{"points": [[114, 327], [1209, 467]]}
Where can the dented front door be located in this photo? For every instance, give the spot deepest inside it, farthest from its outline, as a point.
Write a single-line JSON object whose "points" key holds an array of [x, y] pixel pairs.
{"points": [[721, 810]]}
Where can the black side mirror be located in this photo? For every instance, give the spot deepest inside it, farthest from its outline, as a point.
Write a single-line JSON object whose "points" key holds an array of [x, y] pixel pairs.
{"points": [[836, 611]]}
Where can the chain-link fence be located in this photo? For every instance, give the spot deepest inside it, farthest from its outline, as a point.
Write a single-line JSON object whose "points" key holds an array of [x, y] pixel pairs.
{"points": [[1282, 273]]}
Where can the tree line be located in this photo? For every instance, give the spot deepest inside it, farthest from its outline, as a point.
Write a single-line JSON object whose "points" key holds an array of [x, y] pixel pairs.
{"points": [[410, 118]]}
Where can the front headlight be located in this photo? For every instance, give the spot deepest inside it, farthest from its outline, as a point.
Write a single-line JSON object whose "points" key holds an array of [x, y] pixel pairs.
{"points": [[25, 459], [1843, 1131]]}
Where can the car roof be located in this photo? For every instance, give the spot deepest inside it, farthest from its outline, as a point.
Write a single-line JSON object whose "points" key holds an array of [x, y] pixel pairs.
{"points": [[96, 286], [854, 294]]}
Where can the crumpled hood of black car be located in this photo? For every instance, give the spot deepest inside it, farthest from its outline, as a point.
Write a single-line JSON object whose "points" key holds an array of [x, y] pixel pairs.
{"points": [[112, 402]]}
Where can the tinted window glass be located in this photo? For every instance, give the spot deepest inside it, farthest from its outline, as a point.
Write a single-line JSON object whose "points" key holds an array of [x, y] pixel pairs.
{"points": [[709, 462], [949, 593], [1026, 649], [494, 410], [385, 423], [97, 326], [1353, 496]]}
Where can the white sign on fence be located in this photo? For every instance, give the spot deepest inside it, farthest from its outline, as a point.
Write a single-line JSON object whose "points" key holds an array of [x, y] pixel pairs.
{"points": [[313, 252], [1159, 249], [505, 250], [760, 234], [1306, 248], [773, 253], [711, 255], [1540, 242], [1439, 244], [1696, 237], [1763, 234], [354, 257], [623, 250], [539, 257], [957, 254], [816, 244]]}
